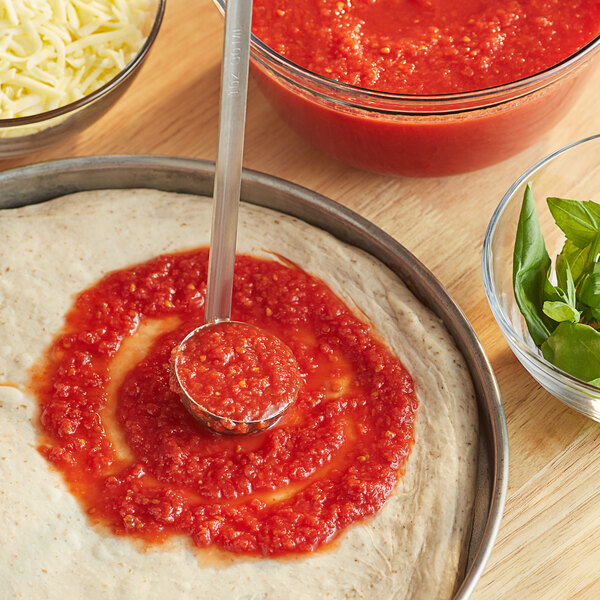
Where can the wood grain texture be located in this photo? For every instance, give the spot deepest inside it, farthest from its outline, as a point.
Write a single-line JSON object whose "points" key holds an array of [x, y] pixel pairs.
{"points": [[547, 547]]}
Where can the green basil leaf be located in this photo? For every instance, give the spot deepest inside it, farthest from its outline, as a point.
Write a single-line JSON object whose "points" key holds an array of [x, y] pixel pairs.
{"points": [[595, 382], [589, 316], [580, 259], [578, 222], [574, 348], [564, 278], [589, 291], [554, 294], [594, 208], [531, 265], [561, 311], [561, 267]]}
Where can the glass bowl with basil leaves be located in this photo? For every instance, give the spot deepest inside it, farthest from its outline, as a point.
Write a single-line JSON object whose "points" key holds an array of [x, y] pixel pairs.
{"points": [[541, 273]]}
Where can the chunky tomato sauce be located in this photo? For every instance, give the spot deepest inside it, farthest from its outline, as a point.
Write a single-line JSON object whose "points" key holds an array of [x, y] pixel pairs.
{"points": [[140, 464], [237, 372], [426, 46]]}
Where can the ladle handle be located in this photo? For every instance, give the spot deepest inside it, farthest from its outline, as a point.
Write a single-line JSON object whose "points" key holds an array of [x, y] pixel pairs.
{"points": [[228, 174]]}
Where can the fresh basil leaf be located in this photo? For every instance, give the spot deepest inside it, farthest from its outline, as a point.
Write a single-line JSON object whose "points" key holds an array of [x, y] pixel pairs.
{"points": [[565, 281], [561, 311], [553, 293], [580, 259], [594, 208], [531, 265], [577, 221], [561, 273], [595, 382], [589, 292], [589, 316], [574, 348]]}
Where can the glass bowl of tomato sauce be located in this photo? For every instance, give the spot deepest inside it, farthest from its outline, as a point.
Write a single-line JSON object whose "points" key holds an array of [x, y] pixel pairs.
{"points": [[572, 172], [419, 133]]}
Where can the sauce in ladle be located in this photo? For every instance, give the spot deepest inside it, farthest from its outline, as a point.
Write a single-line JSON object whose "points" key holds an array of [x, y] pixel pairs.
{"points": [[235, 377]]}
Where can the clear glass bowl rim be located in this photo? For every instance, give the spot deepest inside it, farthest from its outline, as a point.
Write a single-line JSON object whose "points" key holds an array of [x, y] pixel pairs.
{"points": [[493, 95], [512, 337], [101, 91]]}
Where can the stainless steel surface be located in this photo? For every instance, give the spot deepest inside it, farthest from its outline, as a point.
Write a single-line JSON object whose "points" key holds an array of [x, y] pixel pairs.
{"points": [[232, 118], [36, 183]]}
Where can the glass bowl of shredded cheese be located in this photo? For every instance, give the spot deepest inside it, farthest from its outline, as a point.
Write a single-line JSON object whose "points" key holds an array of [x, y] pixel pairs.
{"points": [[63, 63]]}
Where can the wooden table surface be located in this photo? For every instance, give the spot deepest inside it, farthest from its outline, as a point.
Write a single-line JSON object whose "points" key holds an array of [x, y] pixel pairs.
{"points": [[548, 546]]}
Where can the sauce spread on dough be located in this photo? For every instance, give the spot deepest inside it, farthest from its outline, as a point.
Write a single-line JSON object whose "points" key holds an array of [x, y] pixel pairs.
{"points": [[237, 372], [426, 46], [139, 463]]}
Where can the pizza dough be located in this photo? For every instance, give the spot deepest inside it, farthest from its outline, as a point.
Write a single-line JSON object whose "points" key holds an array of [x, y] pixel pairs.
{"points": [[412, 549]]}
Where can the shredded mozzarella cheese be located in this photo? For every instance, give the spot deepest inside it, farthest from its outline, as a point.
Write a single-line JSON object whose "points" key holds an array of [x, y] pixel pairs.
{"points": [[53, 52]]}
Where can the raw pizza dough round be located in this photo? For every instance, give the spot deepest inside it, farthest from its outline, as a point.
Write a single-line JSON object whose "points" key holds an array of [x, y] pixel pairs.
{"points": [[412, 549]]}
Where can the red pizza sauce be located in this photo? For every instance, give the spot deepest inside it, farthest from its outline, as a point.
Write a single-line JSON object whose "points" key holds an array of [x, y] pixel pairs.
{"points": [[236, 372], [419, 48], [426, 46], [140, 464]]}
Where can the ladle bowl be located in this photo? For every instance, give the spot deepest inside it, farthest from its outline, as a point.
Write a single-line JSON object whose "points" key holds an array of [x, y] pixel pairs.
{"points": [[235, 377]]}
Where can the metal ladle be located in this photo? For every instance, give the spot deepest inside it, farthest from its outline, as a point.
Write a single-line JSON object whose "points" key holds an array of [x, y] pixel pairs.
{"points": [[228, 174]]}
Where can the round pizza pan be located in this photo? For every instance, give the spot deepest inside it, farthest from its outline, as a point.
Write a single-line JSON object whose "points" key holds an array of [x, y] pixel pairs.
{"points": [[37, 183]]}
